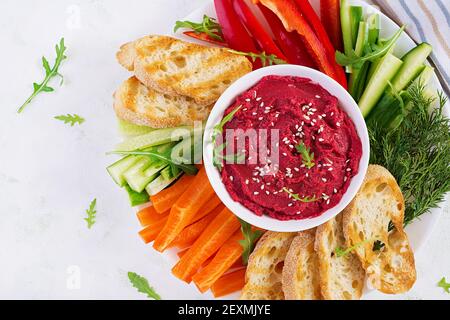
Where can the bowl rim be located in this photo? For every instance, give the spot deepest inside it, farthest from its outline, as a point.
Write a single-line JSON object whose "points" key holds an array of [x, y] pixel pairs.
{"points": [[244, 83]]}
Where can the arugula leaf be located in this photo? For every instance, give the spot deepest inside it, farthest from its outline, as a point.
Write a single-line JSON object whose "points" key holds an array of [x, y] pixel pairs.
{"points": [[208, 25], [342, 252], [307, 156], [444, 285], [91, 213], [165, 157], [71, 118], [142, 286], [306, 199], [266, 59], [218, 130], [250, 238], [373, 52], [49, 74]]}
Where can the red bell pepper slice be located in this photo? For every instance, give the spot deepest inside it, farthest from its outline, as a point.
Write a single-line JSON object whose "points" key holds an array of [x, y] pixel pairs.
{"points": [[290, 42], [330, 14], [264, 40], [293, 20], [313, 19], [204, 37], [233, 30]]}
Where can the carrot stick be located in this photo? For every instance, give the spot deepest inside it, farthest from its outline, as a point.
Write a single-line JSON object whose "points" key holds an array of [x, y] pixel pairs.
{"points": [[164, 199], [208, 207], [180, 254], [227, 255], [149, 215], [184, 209], [187, 237], [212, 238], [149, 233], [229, 283]]}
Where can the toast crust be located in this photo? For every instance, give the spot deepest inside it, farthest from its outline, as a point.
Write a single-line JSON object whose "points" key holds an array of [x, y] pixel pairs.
{"points": [[390, 269], [265, 265], [300, 277], [176, 67]]}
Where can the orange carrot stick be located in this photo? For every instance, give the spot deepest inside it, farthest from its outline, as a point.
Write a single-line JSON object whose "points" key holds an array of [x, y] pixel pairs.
{"points": [[208, 207], [149, 233], [187, 237], [184, 209], [180, 254], [229, 283], [149, 215], [227, 255], [164, 199], [212, 238]]}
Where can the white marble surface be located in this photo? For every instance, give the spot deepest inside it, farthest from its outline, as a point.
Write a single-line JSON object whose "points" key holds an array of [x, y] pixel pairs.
{"points": [[49, 172]]}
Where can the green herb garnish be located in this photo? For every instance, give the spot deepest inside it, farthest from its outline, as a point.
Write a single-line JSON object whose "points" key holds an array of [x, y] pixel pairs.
{"points": [[250, 238], [266, 59], [49, 74], [416, 152], [190, 169], [306, 199], [307, 155], [217, 131], [142, 286], [342, 252], [208, 26], [444, 285], [91, 214], [375, 51], [72, 119]]}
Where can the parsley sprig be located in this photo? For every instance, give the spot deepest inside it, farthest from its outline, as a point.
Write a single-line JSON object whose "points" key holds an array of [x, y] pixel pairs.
{"points": [[50, 72], [444, 285], [266, 59], [218, 149], [250, 238], [91, 214], [208, 26], [142, 285], [71, 119], [342, 252], [307, 155], [306, 199]]}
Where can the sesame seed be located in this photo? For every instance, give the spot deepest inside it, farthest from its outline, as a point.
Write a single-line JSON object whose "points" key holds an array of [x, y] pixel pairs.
{"points": [[262, 104], [284, 154], [335, 190], [260, 118], [248, 100], [254, 113], [246, 181], [267, 192], [324, 179], [307, 175], [256, 193], [262, 187], [231, 178], [306, 117], [345, 178], [338, 124], [328, 201], [258, 99], [296, 169], [348, 169], [321, 140], [290, 204], [318, 97], [330, 169]]}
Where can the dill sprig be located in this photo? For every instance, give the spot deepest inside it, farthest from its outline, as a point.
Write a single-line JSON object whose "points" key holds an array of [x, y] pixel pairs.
{"points": [[417, 152]]}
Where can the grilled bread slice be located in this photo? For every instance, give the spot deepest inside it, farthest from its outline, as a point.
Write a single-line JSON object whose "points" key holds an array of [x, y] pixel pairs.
{"points": [[265, 266], [341, 278], [301, 269], [176, 67], [374, 217], [135, 103]]}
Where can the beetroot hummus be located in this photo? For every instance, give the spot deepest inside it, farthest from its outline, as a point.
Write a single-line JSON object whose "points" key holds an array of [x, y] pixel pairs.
{"points": [[317, 144]]}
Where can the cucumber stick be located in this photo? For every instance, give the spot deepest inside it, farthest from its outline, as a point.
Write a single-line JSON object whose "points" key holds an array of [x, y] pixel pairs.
{"points": [[413, 64], [117, 169], [387, 68], [356, 16], [358, 75], [155, 138], [160, 184], [346, 27], [129, 129], [136, 198]]}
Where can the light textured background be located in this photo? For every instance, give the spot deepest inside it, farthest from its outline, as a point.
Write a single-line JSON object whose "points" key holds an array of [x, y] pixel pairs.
{"points": [[49, 172]]}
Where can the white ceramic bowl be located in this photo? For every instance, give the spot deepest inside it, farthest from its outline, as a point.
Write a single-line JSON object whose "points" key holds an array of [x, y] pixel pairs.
{"points": [[346, 102]]}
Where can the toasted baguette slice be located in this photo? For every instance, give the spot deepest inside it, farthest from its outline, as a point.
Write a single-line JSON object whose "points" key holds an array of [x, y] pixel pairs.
{"points": [[301, 269], [378, 205], [265, 266], [341, 278], [176, 67], [135, 103]]}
